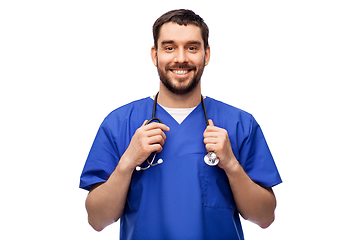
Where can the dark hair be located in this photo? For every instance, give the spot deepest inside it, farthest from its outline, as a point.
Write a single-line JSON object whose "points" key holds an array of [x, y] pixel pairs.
{"points": [[181, 17]]}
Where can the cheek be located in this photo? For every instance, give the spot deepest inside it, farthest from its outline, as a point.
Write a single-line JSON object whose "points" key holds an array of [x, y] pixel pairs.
{"points": [[199, 61], [163, 60]]}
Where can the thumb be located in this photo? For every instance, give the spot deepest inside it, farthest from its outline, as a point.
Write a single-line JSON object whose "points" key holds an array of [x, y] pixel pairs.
{"points": [[211, 123]]}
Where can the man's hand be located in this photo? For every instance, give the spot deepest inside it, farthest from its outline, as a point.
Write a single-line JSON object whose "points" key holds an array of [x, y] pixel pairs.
{"points": [[217, 140], [147, 139]]}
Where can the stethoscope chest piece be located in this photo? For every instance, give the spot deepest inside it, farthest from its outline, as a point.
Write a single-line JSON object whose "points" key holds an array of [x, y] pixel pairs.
{"points": [[211, 159]]}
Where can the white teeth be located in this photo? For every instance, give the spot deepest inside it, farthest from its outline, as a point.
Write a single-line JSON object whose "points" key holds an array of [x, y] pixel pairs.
{"points": [[180, 72]]}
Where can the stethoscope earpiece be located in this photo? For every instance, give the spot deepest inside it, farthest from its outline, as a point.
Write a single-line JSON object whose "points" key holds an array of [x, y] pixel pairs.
{"points": [[151, 164]]}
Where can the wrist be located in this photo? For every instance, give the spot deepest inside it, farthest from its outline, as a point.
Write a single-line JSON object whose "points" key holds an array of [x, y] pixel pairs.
{"points": [[125, 166], [231, 166]]}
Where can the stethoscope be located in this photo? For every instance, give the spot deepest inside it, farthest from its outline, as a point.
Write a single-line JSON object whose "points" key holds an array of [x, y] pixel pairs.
{"points": [[210, 158]]}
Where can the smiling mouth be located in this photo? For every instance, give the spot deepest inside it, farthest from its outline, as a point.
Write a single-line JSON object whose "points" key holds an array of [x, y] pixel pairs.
{"points": [[181, 72]]}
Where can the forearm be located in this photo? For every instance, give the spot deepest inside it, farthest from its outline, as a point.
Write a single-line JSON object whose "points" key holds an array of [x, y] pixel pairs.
{"points": [[105, 203], [254, 203]]}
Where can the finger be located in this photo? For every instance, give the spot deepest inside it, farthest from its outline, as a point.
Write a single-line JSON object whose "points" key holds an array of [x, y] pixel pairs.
{"points": [[210, 147], [211, 127], [211, 123], [154, 125], [156, 132], [210, 141], [211, 134], [156, 148], [158, 139]]}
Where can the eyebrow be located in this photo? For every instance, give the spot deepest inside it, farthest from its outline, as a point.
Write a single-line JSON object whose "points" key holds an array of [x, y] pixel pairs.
{"points": [[194, 43], [167, 42], [172, 42]]}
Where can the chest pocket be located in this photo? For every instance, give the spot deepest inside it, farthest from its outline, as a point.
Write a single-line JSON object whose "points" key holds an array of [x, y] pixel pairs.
{"points": [[216, 191]]}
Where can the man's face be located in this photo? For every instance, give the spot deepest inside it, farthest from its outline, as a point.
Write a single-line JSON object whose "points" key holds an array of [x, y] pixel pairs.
{"points": [[180, 57]]}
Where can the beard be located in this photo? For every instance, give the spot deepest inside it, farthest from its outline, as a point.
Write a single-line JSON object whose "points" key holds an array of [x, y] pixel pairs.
{"points": [[170, 84]]}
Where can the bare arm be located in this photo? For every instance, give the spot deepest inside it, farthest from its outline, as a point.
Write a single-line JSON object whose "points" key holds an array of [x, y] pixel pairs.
{"points": [[253, 202], [106, 201]]}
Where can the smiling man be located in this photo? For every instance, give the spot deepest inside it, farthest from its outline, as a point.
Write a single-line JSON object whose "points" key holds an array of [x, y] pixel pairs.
{"points": [[183, 197], [180, 61]]}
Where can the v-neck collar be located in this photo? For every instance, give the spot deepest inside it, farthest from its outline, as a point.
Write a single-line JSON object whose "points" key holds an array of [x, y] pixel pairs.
{"points": [[179, 114], [168, 120]]}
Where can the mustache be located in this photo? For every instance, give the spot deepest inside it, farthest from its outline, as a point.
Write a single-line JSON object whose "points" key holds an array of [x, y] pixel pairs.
{"points": [[180, 66]]}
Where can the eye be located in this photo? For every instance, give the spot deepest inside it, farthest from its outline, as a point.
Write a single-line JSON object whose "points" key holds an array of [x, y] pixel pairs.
{"points": [[169, 48], [192, 48]]}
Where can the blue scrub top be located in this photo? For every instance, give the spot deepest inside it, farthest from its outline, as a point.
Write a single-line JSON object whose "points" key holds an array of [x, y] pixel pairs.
{"points": [[182, 198]]}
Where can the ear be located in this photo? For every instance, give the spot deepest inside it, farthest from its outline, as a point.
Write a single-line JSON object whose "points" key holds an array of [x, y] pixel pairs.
{"points": [[207, 55], [154, 56]]}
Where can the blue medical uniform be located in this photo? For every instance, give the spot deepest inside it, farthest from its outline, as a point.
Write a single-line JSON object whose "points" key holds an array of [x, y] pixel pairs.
{"points": [[182, 198]]}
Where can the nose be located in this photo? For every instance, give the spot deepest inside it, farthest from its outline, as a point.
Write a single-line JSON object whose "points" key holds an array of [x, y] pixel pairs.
{"points": [[180, 56]]}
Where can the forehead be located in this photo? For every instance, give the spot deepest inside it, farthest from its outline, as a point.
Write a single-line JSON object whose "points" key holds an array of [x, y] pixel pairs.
{"points": [[180, 33]]}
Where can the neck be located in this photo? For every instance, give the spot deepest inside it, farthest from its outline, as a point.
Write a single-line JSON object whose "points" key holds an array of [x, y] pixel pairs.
{"points": [[171, 100]]}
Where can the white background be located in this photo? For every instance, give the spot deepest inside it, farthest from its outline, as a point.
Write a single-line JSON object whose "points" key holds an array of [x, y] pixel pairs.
{"points": [[64, 65]]}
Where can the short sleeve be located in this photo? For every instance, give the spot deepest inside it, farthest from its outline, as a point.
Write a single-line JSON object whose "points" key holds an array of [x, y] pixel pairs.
{"points": [[102, 159], [258, 162]]}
